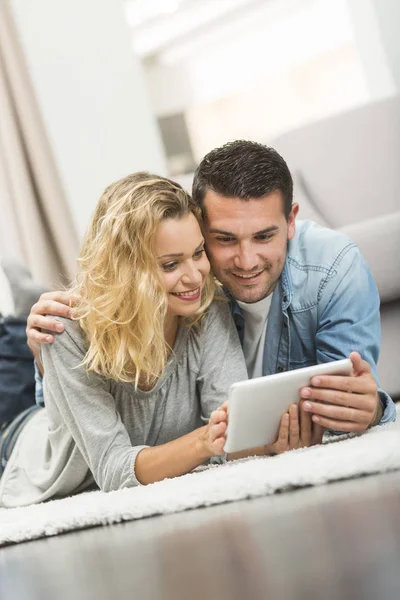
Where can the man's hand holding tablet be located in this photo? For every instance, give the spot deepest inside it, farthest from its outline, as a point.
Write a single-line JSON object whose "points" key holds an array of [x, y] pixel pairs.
{"points": [[296, 430], [339, 395], [345, 403], [264, 416]]}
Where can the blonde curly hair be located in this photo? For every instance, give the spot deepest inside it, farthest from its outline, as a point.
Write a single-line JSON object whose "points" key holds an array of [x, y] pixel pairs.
{"points": [[122, 304]]}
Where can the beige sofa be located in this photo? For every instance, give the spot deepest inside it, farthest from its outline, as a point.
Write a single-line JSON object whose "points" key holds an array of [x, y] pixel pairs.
{"points": [[346, 173]]}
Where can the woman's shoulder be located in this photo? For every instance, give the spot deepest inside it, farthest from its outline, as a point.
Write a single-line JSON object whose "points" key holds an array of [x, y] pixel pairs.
{"points": [[73, 335], [216, 318], [219, 312]]}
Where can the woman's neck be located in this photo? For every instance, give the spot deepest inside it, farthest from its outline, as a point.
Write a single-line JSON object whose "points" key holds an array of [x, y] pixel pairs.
{"points": [[170, 333], [171, 329]]}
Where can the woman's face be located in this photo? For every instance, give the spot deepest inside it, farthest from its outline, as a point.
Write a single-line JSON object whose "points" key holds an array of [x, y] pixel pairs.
{"points": [[179, 248]]}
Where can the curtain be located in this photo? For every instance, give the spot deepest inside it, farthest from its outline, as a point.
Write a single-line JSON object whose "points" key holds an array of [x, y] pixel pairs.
{"points": [[35, 224]]}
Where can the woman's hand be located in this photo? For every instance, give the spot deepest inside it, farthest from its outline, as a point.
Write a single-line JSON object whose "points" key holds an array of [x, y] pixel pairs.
{"points": [[214, 434], [295, 432]]}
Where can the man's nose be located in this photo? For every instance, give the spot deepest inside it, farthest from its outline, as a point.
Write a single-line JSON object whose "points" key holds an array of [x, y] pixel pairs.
{"points": [[246, 259]]}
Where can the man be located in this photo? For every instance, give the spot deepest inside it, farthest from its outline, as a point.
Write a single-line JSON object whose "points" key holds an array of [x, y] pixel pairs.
{"points": [[300, 294]]}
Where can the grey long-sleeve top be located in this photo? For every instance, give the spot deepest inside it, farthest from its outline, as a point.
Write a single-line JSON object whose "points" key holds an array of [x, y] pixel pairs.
{"points": [[92, 428]]}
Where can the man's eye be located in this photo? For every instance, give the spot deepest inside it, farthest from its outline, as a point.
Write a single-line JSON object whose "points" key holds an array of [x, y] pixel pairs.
{"points": [[224, 239], [263, 237], [169, 266]]}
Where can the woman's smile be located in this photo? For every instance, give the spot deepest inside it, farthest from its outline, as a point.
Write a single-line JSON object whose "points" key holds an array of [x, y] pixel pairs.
{"points": [[190, 295]]}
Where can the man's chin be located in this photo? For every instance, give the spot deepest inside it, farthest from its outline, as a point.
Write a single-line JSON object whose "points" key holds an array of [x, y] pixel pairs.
{"points": [[250, 298], [248, 295]]}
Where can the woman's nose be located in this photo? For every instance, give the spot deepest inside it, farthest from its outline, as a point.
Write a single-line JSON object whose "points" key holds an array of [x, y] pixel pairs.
{"points": [[192, 275]]}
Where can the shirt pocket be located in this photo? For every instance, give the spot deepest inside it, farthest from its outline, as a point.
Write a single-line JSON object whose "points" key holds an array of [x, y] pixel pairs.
{"points": [[300, 364], [302, 342], [302, 354]]}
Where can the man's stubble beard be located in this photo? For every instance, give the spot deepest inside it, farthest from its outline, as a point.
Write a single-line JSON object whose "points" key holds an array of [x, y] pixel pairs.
{"points": [[269, 287], [250, 296]]}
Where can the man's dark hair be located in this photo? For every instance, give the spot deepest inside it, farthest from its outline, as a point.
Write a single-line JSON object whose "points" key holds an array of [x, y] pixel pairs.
{"points": [[243, 169]]}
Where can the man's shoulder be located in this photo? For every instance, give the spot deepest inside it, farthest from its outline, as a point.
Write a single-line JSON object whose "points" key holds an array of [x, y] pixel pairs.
{"points": [[315, 255], [317, 247]]}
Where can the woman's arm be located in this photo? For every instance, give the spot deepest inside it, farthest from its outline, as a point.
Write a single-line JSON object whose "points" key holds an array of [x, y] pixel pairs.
{"points": [[84, 403], [181, 455], [221, 363]]}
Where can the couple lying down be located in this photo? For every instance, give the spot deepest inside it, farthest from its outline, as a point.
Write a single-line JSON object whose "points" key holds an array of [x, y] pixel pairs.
{"points": [[136, 381]]}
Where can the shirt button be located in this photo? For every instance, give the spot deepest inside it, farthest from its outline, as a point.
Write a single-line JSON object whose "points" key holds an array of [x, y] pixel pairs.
{"points": [[280, 369], [285, 298]]}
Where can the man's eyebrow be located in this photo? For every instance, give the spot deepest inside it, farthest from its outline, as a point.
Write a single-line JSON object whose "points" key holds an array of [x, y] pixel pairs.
{"points": [[220, 231], [181, 253], [262, 231], [267, 230]]}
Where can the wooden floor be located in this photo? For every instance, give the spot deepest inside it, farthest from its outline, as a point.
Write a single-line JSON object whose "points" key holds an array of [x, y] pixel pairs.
{"points": [[337, 541]]}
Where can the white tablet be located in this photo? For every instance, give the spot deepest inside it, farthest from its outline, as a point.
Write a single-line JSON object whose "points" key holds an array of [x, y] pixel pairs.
{"points": [[255, 407]]}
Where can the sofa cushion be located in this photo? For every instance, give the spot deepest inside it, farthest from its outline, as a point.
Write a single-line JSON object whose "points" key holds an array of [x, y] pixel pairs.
{"points": [[349, 162], [388, 364], [379, 242], [307, 208]]}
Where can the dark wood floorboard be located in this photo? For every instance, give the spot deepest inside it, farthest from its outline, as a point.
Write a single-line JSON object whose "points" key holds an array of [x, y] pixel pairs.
{"points": [[332, 542]]}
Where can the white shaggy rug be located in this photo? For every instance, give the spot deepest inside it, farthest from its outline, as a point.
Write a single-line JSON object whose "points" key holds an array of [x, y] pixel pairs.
{"points": [[376, 451]]}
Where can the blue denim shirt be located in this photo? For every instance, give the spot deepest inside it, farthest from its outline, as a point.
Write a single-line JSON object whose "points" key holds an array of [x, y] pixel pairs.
{"points": [[38, 387], [325, 306]]}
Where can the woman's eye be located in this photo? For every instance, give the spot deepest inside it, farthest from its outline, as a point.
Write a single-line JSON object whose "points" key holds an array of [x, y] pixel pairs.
{"points": [[198, 253], [169, 266]]}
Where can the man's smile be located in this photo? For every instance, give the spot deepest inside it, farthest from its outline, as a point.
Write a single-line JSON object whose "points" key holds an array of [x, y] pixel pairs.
{"points": [[247, 278]]}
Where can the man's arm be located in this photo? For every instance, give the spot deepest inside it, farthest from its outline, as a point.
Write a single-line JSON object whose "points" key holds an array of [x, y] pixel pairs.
{"points": [[349, 321]]}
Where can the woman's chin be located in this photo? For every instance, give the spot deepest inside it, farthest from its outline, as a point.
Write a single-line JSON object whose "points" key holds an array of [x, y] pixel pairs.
{"points": [[184, 311]]}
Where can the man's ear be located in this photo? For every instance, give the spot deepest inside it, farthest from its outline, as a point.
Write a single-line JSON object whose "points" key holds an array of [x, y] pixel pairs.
{"points": [[292, 220]]}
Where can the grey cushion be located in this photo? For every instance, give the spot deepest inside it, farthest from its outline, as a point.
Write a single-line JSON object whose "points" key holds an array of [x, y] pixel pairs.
{"points": [[379, 242], [24, 289], [349, 162], [389, 358], [307, 207]]}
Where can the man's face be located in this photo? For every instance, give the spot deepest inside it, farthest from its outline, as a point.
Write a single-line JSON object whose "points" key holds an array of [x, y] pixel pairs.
{"points": [[246, 242]]}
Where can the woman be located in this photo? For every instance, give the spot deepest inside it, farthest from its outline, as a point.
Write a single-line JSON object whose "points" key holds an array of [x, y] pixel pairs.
{"points": [[132, 382]]}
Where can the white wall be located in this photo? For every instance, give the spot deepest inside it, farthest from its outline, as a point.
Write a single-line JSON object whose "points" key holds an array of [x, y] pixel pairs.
{"points": [[247, 51], [91, 92], [375, 24], [388, 17]]}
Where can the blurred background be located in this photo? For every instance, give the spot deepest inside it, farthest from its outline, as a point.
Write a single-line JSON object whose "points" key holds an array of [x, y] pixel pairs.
{"points": [[93, 90]]}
